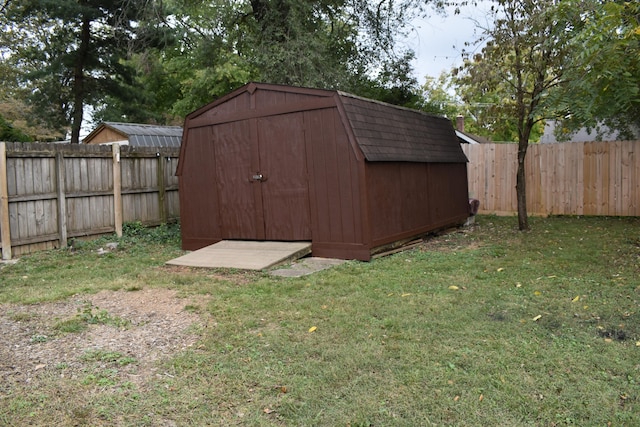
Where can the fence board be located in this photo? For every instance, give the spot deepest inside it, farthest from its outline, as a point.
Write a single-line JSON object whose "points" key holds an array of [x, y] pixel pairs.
{"points": [[55, 192], [591, 178]]}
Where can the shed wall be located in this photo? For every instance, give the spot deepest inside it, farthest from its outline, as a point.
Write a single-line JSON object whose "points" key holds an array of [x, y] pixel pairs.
{"points": [[408, 199], [336, 179], [200, 218]]}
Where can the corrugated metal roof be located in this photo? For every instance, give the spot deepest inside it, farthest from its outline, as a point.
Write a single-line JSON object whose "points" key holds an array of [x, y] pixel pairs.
{"points": [[386, 132], [141, 135]]}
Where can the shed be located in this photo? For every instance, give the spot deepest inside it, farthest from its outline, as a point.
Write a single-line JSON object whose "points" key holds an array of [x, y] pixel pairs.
{"points": [[135, 135], [351, 175]]}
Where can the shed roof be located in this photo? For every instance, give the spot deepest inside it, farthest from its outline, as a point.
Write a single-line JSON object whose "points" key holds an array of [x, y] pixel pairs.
{"points": [[386, 132], [383, 132], [142, 135]]}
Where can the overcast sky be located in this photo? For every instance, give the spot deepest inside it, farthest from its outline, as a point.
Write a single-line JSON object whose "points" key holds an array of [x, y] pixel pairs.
{"points": [[438, 41]]}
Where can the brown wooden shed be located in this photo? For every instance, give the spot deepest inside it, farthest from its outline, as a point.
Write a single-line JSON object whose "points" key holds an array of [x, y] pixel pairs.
{"points": [[270, 162]]}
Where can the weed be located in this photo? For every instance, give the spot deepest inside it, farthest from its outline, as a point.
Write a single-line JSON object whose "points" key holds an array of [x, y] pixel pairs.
{"points": [[108, 357], [38, 338], [103, 378], [23, 317], [71, 326], [95, 316]]}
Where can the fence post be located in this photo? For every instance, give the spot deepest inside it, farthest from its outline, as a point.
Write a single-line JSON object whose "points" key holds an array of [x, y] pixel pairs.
{"points": [[117, 189], [62, 199], [162, 188], [5, 226]]}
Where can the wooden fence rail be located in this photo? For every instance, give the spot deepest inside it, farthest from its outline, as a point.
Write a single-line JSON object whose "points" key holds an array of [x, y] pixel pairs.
{"points": [[50, 193], [590, 178]]}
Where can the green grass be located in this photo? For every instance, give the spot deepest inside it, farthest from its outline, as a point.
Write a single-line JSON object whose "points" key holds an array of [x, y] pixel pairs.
{"points": [[58, 274], [486, 326]]}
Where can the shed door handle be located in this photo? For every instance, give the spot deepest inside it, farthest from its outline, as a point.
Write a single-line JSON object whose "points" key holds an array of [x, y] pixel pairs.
{"points": [[258, 177]]}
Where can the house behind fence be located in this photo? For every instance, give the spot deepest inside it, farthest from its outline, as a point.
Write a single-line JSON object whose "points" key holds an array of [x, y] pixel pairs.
{"points": [[50, 193]]}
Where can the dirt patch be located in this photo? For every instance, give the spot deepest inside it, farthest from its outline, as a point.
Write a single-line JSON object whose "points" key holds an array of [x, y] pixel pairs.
{"points": [[131, 329]]}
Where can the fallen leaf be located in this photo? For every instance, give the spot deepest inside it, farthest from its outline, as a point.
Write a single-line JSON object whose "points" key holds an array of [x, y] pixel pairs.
{"points": [[576, 299], [538, 317], [405, 295], [608, 340], [500, 269], [537, 293], [283, 389], [481, 397], [518, 285], [455, 399], [637, 343], [313, 328], [453, 288], [268, 411]]}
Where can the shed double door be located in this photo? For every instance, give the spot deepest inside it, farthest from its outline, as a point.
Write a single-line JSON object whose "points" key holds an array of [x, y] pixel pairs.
{"points": [[261, 178]]}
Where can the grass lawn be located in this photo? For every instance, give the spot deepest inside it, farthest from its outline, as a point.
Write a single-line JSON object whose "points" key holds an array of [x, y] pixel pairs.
{"points": [[485, 326]]}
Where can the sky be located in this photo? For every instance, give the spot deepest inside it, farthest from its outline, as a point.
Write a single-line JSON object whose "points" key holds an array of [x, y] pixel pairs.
{"points": [[438, 41]]}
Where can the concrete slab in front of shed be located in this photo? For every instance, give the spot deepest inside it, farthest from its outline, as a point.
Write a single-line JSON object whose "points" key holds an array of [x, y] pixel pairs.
{"points": [[244, 255]]}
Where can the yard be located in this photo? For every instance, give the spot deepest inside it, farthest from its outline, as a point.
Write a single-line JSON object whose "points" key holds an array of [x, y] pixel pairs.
{"points": [[481, 326]]}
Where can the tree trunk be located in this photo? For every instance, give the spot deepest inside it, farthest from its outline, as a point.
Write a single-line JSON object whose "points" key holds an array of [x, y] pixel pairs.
{"points": [[78, 81], [521, 186]]}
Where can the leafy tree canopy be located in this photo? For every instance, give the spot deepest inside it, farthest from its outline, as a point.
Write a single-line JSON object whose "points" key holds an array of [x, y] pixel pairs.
{"points": [[72, 53], [155, 61], [602, 83]]}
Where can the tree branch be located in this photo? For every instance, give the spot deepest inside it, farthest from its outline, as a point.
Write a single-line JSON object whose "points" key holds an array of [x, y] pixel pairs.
{"points": [[5, 5]]}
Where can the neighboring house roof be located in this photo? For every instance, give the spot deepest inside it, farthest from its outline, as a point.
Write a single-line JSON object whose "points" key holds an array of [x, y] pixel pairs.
{"points": [[136, 135], [468, 138], [386, 132]]}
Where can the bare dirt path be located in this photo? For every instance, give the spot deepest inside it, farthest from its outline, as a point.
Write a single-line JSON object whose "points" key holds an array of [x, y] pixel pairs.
{"points": [[136, 327]]}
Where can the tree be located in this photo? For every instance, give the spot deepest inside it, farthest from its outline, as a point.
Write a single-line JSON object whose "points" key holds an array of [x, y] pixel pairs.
{"points": [[333, 44], [602, 85], [71, 53], [77, 53], [523, 61], [8, 132], [437, 97]]}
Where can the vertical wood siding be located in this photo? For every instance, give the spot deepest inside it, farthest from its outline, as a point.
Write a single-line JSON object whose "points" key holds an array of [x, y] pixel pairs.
{"points": [[334, 184], [589, 178], [200, 219], [39, 177], [408, 199]]}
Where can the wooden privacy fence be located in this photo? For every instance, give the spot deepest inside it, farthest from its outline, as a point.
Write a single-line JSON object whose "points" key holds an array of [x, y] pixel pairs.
{"points": [[589, 178], [50, 193]]}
